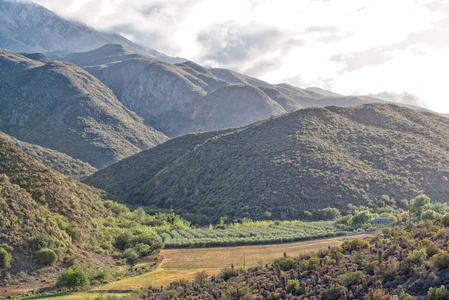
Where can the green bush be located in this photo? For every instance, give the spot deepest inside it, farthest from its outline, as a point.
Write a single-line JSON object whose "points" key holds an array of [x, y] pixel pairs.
{"points": [[73, 231], [292, 285], [72, 278], [362, 217], [445, 220], [355, 243], [308, 264], [130, 254], [334, 293], [441, 260], [350, 278], [285, 263], [46, 256], [228, 273], [417, 256], [5, 258], [435, 293], [429, 215]]}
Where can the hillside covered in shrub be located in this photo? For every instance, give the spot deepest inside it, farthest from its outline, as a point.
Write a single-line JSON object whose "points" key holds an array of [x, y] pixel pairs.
{"points": [[302, 161], [49, 221]]}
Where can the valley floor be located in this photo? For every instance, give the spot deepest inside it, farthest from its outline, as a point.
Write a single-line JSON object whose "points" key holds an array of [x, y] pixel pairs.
{"points": [[186, 263]]}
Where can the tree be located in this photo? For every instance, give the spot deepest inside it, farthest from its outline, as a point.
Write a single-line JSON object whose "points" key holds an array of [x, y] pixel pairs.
{"points": [[73, 277], [429, 215], [420, 204], [362, 217], [329, 213], [5, 258], [439, 208]]}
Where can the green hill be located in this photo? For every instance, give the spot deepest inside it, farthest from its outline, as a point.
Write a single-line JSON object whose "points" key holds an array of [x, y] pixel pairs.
{"points": [[49, 221], [37, 205], [305, 160]]}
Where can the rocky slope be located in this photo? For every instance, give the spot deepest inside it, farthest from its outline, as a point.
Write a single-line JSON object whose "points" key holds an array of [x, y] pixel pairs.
{"points": [[60, 106], [305, 160]]}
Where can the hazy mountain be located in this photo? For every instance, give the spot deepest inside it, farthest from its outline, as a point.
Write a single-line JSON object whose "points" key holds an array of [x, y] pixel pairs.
{"points": [[323, 92], [305, 160], [404, 98], [62, 107], [53, 159], [29, 27]]}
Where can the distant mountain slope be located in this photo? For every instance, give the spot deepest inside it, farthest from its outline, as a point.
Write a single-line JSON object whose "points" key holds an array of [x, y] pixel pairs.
{"points": [[53, 159], [180, 98], [29, 27], [233, 106], [305, 160], [60, 106]]}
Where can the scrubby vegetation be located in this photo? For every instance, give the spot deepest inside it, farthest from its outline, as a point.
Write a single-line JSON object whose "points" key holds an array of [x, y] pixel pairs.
{"points": [[292, 166], [50, 220], [400, 263]]}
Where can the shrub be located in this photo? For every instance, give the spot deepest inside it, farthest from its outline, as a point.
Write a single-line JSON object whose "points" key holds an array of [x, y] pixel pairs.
{"points": [[441, 260], [386, 231], [5, 258], [292, 285], [285, 263], [432, 250], [417, 256], [357, 242], [445, 220], [228, 273], [334, 293], [307, 264], [46, 256], [73, 231], [362, 217], [429, 215], [435, 293], [142, 249], [130, 254], [350, 278], [73, 277]]}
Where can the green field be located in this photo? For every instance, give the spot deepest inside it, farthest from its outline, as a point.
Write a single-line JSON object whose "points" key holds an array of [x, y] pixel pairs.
{"points": [[254, 233]]}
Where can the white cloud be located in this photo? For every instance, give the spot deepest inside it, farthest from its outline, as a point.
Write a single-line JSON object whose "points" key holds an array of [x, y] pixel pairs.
{"points": [[363, 46]]}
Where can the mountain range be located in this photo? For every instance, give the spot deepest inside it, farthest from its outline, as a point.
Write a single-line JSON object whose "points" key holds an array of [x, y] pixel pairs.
{"points": [[304, 160]]}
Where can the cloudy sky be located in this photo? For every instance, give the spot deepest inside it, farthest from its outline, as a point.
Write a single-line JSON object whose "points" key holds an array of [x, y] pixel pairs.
{"points": [[349, 47]]}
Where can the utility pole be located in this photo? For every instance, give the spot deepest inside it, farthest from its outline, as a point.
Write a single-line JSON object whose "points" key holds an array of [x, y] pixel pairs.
{"points": [[244, 260]]}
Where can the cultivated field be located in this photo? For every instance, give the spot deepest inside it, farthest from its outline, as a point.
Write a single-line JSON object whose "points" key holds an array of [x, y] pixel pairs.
{"points": [[185, 263]]}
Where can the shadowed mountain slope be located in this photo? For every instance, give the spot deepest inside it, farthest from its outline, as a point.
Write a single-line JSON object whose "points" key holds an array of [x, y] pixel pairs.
{"points": [[62, 107], [305, 160], [53, 159]]}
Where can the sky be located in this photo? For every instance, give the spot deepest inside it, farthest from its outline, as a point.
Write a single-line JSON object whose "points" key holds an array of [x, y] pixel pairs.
{"points": [[350, 47]]}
